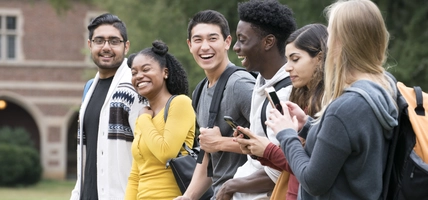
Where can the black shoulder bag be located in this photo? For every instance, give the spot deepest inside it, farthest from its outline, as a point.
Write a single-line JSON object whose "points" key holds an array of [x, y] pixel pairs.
{"points": [[183, 166]]}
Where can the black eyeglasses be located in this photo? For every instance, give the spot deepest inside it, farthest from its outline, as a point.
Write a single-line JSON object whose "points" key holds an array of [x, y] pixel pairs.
{"points": [[113, 42]]}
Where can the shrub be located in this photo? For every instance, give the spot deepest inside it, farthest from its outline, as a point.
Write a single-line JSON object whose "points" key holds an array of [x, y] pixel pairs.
{"points": [[20, 161], [15, 136]]}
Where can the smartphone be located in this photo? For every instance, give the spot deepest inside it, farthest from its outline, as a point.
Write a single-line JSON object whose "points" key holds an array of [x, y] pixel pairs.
{"points": [[273, 98], [229, 120]]}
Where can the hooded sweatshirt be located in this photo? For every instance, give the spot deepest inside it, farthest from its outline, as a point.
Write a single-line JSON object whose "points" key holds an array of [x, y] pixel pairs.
{"points": [[345, 152], [258, 97]]}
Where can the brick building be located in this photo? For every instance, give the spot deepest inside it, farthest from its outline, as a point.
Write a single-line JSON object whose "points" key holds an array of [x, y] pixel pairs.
{"points": [[44, 63]]}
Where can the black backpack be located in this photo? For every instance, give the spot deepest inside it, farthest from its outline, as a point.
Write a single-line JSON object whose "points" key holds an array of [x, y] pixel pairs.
{"points": [[406, 173], [214, 107], [215, 103]]}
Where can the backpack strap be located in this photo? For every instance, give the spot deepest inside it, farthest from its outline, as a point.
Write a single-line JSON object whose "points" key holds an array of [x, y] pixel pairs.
{"points": [[388, 189], [279, 85], [420, 110], [195, 99], [386, 176], [215, 103], [87, 86], [197, 93], [218, 93], [85, 90]]}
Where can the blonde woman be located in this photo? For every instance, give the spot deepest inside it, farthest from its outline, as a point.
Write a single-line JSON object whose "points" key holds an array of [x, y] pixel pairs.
{"points": [[346, 147]]}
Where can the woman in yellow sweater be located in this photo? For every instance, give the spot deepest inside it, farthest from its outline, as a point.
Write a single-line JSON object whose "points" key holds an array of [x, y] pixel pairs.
{"points": [[157, 76]]}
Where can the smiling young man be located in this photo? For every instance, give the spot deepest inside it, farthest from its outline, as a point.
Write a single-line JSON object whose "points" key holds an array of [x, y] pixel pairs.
{"points": [[209, 40], [107, 115], [262, 31]]}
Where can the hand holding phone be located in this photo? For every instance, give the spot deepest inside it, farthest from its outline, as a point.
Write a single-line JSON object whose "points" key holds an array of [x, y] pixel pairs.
{"points": [[229, 120], [273, 98]]}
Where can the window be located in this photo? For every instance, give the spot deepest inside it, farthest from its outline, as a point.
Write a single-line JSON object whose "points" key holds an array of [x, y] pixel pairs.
{"points": [[8, 37]]}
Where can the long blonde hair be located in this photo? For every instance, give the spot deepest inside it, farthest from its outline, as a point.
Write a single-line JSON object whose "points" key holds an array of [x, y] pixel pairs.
{"points": [[358, 42]]}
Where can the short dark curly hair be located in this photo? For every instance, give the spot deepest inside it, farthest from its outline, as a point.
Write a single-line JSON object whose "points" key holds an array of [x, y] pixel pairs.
{"points": [[177, 82], [269, 17]]}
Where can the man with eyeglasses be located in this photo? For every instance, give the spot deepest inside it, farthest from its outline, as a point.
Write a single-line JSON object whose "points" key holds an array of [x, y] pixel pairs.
{"points": [[107, 115]]}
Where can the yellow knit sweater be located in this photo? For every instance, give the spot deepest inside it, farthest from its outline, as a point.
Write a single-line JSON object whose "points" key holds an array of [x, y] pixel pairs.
{"points": [[154, 144]]}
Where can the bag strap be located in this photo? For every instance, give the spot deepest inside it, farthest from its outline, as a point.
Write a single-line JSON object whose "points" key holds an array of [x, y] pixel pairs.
{"points": [[165, 111], [279, 85], [85, 91], [165, 116], [420, 110], [386, 177], [87, 86], [218, 93], [215, 103], [197, 93]]}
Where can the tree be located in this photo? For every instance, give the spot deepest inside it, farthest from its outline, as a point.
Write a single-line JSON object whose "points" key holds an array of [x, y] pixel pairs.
{"points": [[147, 20], [407, 22]]}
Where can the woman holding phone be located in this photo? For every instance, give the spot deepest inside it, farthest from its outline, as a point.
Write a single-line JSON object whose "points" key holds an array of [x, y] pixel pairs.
{"points": [[347, 146]]}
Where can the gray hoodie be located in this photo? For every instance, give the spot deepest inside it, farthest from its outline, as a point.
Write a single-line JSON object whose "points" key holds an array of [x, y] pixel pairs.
{"points": [[345, 153]]}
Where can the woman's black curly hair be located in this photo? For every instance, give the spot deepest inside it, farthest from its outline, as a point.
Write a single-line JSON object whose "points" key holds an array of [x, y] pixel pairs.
{"points": [[177, 82], [269, 17]]}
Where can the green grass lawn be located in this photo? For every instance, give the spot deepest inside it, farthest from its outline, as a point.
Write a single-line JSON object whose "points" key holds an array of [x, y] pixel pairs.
{"points": [[44, 190]]}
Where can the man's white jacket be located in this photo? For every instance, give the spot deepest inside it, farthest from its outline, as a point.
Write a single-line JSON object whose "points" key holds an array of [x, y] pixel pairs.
{"points": [[115, 135]]}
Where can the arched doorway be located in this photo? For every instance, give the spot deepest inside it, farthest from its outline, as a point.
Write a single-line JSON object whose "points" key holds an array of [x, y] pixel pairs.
{"points": [[15, 116], [71, 172]]}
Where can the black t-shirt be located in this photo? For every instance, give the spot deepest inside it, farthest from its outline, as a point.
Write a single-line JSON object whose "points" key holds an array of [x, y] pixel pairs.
{"points": [[90, 129]]}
